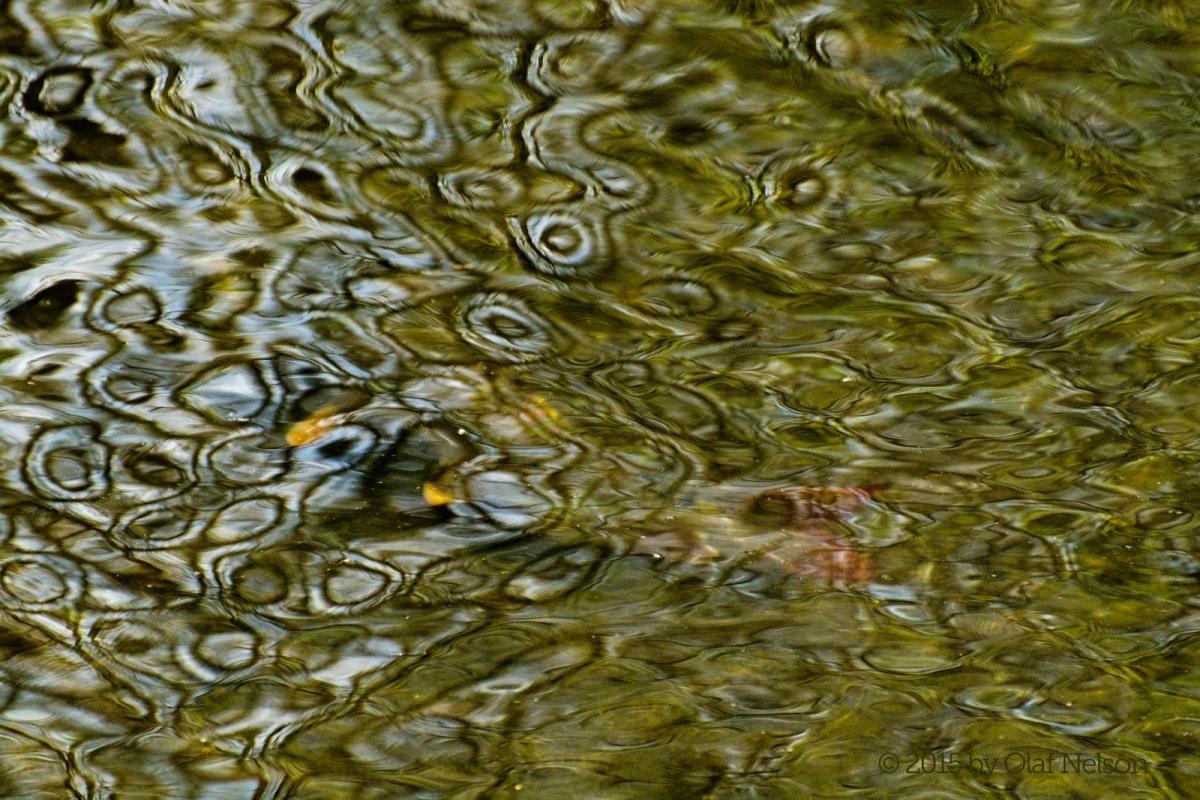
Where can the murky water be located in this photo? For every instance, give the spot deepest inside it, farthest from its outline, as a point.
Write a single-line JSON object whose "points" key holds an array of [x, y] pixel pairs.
{"points": [[599, 398]]}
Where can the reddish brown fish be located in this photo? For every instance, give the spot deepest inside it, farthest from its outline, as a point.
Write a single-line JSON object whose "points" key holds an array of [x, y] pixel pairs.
{"points": [[815, 502], [817, 553], [813, 548]]}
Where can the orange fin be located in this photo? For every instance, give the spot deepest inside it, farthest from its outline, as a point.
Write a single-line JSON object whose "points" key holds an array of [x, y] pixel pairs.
{"points": [[315, 427]]}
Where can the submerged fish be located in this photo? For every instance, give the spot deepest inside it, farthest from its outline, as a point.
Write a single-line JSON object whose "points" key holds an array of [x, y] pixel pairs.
{"points": [[794, 529], [812, 547]]}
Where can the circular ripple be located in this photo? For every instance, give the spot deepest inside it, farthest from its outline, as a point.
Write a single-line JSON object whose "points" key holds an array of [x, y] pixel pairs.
{"points": [[139, 384], [247, 519], [571, 62], [826, 43], [312, 187], [153, 470], [225, 650], [801, 183], [505, 328], [287, 582], [137, 307], [262, 580], [68, 463], [157, 527], [561, 244], [352, 584], [677, 297], [203, 168], [37, 582], [628, 378], [249, 460], [487, 190]]}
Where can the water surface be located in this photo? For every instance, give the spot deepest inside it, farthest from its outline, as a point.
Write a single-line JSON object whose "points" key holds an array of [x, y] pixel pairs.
{"points": [[386, 389]]}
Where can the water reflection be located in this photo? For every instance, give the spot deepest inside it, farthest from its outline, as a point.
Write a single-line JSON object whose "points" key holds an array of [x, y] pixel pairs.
{"points": [[611, 398]]}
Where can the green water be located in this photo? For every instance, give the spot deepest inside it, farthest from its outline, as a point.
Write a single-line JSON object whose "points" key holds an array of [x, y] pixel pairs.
{"points": [[604, 399]]}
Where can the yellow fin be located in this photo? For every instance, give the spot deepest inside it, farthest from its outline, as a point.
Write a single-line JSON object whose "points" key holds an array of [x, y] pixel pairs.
{"points": [[314, 427], [435, 496]]}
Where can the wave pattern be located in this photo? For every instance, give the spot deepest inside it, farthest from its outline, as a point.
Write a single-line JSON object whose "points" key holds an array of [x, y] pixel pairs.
{"points": [[384, 388]]}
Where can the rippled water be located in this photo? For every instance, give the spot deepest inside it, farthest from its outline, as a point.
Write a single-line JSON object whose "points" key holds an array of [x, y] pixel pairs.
{"points": [[599, 398]]}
